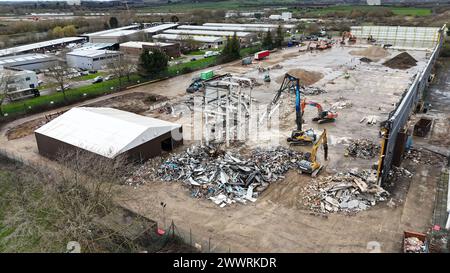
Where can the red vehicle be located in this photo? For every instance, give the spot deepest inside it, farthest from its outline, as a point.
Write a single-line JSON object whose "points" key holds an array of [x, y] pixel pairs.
{"points": [[262, 54]]}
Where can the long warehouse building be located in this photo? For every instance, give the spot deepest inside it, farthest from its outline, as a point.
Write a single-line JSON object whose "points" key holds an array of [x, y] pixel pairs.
{"points": [[253, 27], [244, 37], [208, 41], [40, 47]]}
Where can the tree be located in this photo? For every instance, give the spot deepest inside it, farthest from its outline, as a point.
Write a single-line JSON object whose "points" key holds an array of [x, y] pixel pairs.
{"points": [[113, 22], [59, 74], [267, 42], [280, 37], [69, 30], [5, 78], [121, 67], [312, 28], [58, 32], [153, 62], [231, 50]]}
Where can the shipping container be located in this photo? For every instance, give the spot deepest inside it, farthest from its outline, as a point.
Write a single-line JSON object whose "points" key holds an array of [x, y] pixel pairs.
{"points": [[262, 54], [206, 75]]}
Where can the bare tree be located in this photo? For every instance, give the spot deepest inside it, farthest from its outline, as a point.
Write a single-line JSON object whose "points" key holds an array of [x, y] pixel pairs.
{"points": [[59, 73], [5, 78], [122, 66]]}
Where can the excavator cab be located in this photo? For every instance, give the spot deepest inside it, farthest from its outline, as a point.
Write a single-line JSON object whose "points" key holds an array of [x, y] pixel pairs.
{"points": [[310, 164], [299, 137]]}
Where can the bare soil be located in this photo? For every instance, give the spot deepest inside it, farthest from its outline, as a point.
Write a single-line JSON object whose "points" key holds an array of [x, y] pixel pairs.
{"points": [[401, 61], [374, 53], [306, 77], [133, 102]]}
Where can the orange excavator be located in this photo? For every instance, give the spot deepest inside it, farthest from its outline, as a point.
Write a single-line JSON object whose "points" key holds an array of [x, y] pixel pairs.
{"points": [[348, 35], [323, 116]]}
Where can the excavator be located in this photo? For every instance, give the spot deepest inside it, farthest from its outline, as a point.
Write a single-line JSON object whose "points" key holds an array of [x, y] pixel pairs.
{"points": [[310, 164], [298, 136], [348, 35], [323, 116]]}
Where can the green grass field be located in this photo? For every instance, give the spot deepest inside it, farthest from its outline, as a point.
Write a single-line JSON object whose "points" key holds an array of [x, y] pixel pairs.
{"points": [[106, 87], [406, 11]]}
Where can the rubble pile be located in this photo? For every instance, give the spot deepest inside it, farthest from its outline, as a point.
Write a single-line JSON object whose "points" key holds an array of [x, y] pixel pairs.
{"points": [[311, 90], [342, 105], [362, 148], [421, 156], [226, 177], [414, 245], [345, 192], [398, 172]]}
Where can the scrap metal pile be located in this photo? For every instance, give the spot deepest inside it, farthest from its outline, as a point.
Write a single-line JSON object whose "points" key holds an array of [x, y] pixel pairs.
{"points": [[226, 177], [344, 192], [362, 148], [414, 245], [311, 90]]}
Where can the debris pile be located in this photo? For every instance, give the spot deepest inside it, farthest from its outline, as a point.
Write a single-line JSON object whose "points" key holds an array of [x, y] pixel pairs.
{"points": [[414, 245], [362, 148], [342, 105], [421, 156], [398, 172], [226, 177], [346, 192], [310, 90], [401, 61], [371, 120]]}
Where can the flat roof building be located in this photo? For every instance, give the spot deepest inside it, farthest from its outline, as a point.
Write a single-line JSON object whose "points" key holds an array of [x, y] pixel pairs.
{"points": [[209, 41], [136, 48], [91, 59], [109, 133], [159, 28], [33, 62], [116, 37], [253, 27]]}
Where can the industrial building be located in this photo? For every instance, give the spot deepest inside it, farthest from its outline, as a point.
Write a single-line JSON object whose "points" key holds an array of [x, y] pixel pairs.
{"points": [[244, 37], [17, 79], [91, 59], [153, 30], [115, 35], [254, 27], [207, 41], [136, 48], [33, 62], [109, 133], [41, 47]]}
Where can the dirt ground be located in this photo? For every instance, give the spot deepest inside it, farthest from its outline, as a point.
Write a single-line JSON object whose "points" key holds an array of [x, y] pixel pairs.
{"points": [[278, 222], [137, 102]]}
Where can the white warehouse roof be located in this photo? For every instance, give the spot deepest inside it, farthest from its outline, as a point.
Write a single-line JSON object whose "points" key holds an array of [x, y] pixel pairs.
{"points": [[92, 53], [175, 37], [140, 44], [24, 58], [29, 47], [207, 32], [98, 33], [250, 25], [160, 27], [214, 28], [105, 131]]}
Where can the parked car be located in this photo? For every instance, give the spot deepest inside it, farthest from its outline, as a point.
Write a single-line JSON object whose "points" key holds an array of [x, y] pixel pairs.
{"points": [[109, 77], [210, 54], [92, 71], [193, 59], [84, 73], [97, 79], [65, 86]]}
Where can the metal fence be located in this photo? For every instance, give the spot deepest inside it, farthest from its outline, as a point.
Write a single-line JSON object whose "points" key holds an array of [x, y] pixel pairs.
{"points": [[398, 118]]}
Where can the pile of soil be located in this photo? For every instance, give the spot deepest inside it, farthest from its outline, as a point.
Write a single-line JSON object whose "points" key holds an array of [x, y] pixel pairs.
{"points": [[401, 61], [373, 52], [306, 77]]}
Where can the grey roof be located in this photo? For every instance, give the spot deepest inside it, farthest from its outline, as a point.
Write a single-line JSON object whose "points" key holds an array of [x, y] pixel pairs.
{"points": [[29, 47]]}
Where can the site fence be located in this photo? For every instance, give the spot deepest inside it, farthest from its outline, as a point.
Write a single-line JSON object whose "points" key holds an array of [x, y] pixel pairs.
{"points": [[398, 118]]}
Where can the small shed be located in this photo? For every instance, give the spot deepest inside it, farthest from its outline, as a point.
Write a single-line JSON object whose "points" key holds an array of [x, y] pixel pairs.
{"points": [[109, 133]]}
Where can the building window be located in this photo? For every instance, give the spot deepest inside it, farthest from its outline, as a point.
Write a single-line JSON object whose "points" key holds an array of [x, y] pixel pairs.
{"points": [[27, 78]]}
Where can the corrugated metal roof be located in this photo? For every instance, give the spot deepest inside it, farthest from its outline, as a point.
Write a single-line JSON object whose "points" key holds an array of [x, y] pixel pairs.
{"points": [[175, 37], [23, 58], [105, 131], [19, 49], [160, 27], [91, 52], [207, 32], [98, 33], [251, 25], [140, 44]]}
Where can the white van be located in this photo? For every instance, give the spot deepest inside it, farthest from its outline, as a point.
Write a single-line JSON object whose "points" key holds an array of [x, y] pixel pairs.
{"points": [[210, 54]]}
